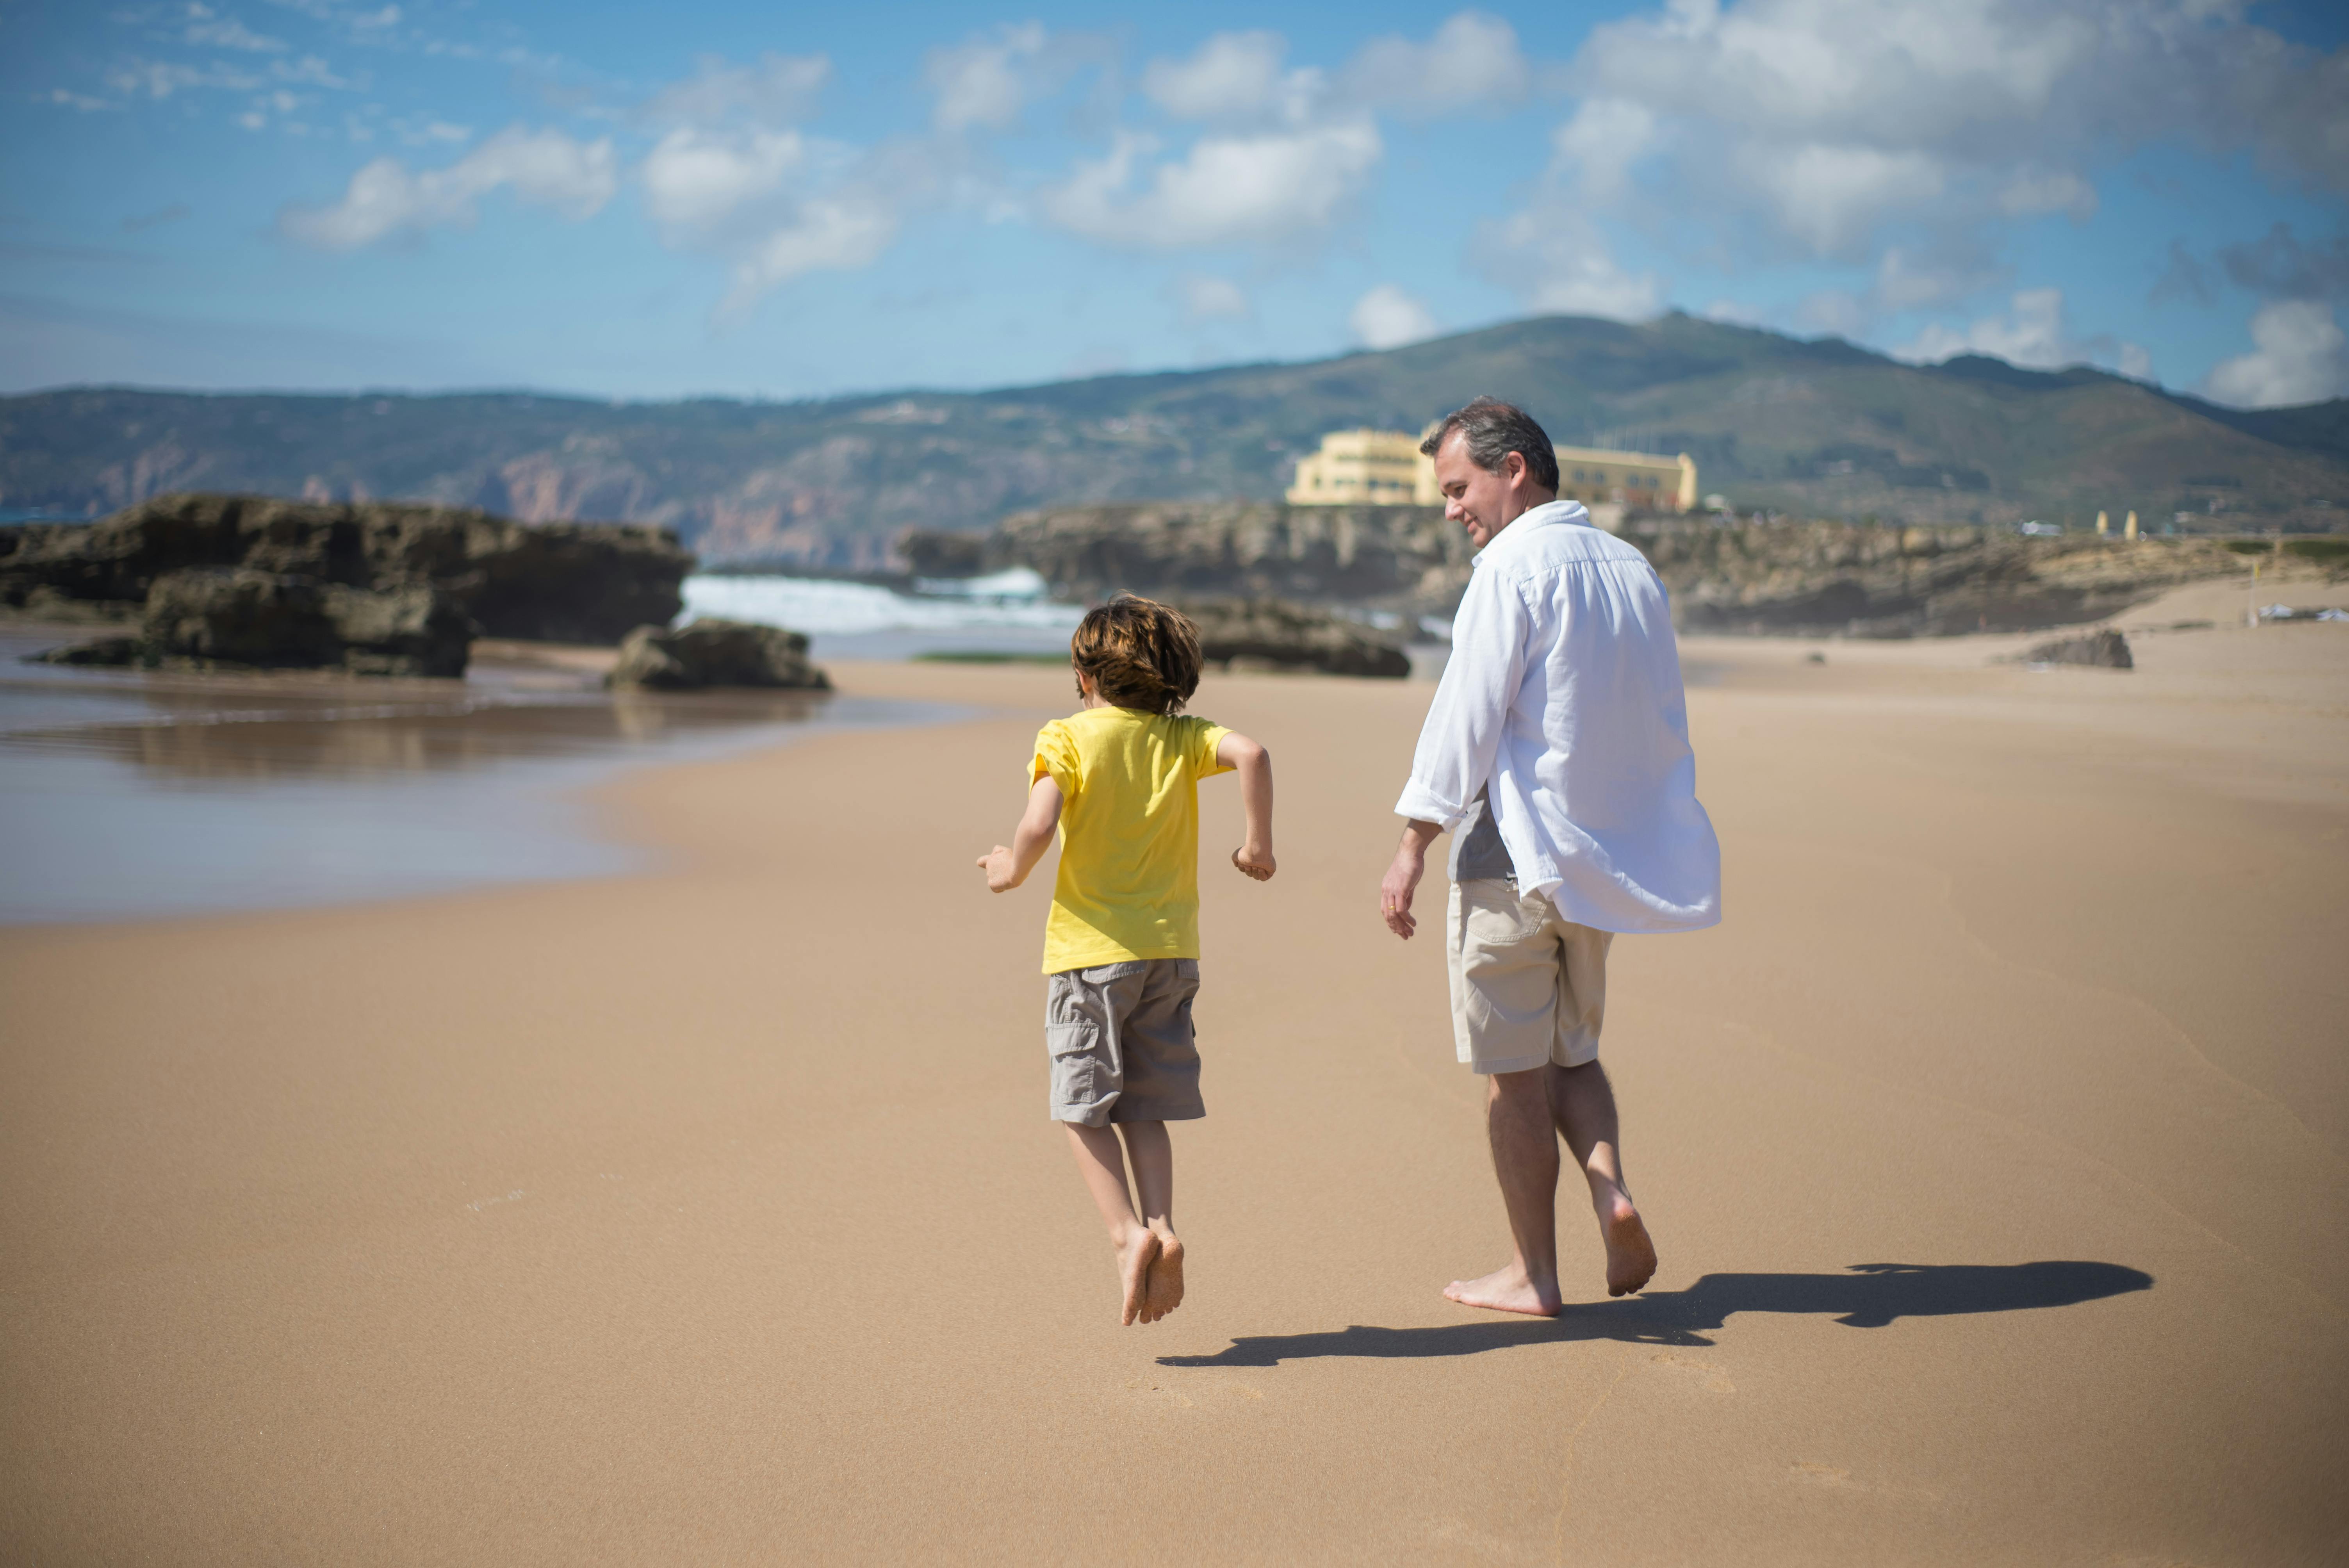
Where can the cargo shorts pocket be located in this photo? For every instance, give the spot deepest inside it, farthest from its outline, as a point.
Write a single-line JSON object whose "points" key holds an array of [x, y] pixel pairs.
{"points": [[1082, 1078]]}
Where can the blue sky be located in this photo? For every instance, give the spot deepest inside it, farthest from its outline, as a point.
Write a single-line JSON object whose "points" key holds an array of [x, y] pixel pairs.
{"points": [[655, 202]]}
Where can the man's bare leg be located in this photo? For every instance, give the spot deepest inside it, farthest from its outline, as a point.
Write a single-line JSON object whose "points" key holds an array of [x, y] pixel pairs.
{"points": [[1584, 1102], [1152, 1156], [1103, 1163], [1518, 1120]]}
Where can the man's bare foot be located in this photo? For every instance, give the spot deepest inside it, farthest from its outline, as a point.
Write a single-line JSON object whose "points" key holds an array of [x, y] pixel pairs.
{"points": [[1630, 1255], [1134, 1261], [1164, 1291], [1506, 1290]]}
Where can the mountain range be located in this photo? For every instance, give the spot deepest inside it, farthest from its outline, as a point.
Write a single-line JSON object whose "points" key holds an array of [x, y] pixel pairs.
{"points": [[1815, 428]]}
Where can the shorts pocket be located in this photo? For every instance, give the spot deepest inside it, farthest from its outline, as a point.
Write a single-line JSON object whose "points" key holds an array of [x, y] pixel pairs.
{"points": [[1495, 916], [1069, 1039]]}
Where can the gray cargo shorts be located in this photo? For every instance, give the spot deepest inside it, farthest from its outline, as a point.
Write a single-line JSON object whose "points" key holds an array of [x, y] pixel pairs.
{"points": [[1121, 1039]]}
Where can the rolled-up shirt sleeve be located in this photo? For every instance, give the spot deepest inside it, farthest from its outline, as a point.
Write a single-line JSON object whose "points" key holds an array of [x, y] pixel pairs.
{"points": [[1464, 723]]}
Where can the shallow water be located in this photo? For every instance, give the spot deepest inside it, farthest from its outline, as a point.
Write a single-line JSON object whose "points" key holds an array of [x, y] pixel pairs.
{"points": [[127, 795]]}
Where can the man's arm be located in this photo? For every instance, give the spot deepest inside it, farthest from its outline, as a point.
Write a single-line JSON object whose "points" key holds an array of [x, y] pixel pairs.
{"points": [[1007, 866], [1402, 877], [1253, 765], [1462, 736]]}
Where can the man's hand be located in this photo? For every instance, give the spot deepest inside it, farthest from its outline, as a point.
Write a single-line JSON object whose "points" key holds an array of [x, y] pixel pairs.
{"points": [[1002, 870], [1254, 859], [1402, 877]]}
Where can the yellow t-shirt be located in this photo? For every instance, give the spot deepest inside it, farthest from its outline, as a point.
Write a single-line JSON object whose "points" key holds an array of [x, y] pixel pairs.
{"points": [[1129, 878]]}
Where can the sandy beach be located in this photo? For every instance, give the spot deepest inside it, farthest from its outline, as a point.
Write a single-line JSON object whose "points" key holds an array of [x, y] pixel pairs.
{"points": [[1996, 1147]]}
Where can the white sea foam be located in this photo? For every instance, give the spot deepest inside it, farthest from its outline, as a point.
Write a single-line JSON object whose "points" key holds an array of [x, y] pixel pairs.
{"points": [[1006, 599]]}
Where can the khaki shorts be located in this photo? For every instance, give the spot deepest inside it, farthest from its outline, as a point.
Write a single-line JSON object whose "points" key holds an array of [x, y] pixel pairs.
{"points": [[1528, 987], [1121, 1045]]}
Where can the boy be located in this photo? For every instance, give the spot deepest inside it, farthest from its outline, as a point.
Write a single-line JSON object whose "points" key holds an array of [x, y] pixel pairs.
{"points": [[1119, 779]]}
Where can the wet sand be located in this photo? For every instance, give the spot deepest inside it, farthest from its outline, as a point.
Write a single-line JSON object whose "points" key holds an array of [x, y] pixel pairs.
{"points": [[130, 794], [1997, 1148]]}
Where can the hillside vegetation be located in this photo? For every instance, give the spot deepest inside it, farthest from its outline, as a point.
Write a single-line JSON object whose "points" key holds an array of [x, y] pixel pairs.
{"points": [[1816, 428]]}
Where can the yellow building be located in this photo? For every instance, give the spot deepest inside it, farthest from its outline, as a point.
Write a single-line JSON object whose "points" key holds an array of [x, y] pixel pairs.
{"points": [[1384, 468], [1640, 480], [1366, 467]]}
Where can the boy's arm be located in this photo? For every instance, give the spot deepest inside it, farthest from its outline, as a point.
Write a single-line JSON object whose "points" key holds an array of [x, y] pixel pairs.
{"points": [[1253, 765], [1007, 866]]}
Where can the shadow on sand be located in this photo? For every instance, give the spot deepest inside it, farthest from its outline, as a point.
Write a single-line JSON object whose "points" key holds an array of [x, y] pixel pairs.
{"points": [[1869, 1297]]}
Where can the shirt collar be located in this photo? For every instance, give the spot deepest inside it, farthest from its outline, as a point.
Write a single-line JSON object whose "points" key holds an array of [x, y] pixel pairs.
{"points": [[1549, 514]]}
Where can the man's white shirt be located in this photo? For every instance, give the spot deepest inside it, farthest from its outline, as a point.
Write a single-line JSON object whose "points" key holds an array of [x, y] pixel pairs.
{"points": [[1562, 700]]}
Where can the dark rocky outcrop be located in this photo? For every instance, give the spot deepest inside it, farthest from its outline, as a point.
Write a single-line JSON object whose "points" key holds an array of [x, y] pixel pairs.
{"points": [[715, 654], [1824, 578], [1268, 634], [550, 582], [1790, 579], [1251, 549], [236, 618], [2106, 649]]}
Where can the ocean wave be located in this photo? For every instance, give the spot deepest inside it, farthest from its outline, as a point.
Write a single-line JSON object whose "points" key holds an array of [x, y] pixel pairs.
{"points": [[823, 608]]}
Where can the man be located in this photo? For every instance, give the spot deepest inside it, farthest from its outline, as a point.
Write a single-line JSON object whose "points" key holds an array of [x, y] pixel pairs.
{"points": [[1556, 755]]}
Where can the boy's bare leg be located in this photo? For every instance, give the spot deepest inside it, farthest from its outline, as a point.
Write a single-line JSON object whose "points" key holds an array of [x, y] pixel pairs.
{"points": [[1518, 1119], [1103, 1162], [1152, 1154], [1584, 1102]]}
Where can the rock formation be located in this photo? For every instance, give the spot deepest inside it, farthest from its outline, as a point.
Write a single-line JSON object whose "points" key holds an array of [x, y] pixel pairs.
{"points": [[550, 582], [1796, 579], [1271, 634], [1355, 554], [715, 654], [1824, 578], [2106, 649], [211, 618]]}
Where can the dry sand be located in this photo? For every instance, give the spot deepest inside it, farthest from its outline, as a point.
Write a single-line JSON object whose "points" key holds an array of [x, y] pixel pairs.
{"points": [[711, 1215]]}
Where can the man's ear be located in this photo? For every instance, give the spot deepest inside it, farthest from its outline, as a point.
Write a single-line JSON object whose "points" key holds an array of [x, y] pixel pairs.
{"points": [[1512, 468]]}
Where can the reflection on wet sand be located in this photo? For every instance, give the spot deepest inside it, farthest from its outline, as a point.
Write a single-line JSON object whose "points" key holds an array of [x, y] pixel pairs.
{"points": [[128, 794], [259, 727], [233, 746]]}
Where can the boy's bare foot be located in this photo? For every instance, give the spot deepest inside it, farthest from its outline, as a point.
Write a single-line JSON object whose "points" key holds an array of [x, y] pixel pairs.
{"points": [[1134, 1261], [1506, 1290], [1630, 1255], [1164, 1291]]}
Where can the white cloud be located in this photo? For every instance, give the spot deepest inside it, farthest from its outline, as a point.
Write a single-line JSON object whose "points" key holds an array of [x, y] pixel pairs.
{"points": [[838, 233], [1471, 64], [1552, 255], [162, 79], [985, 83], [387, 199], [1204, 298], [2032, 191], [1907, 280], [774, 90], [1228, 189], [2031, 334], [1829, 198], [2300, 355], [1808, 125], [1602, 142], [1737, 312], [1231, 77], [1386, 317], [694, 178], [207, 26]]}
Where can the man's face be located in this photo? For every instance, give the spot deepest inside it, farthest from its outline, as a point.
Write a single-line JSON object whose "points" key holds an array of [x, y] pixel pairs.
{"points": [[1480, 500]]}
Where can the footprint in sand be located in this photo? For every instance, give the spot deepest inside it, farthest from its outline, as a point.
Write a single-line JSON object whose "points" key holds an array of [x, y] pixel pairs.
{"points": [[1716, 1380]]}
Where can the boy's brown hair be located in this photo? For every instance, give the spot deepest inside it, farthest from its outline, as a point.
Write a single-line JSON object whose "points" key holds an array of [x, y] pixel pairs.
{"points": [[1138, 654]]}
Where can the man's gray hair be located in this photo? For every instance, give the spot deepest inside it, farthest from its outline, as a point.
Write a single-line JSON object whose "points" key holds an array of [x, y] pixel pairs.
{"points": [[1493, 429]]}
